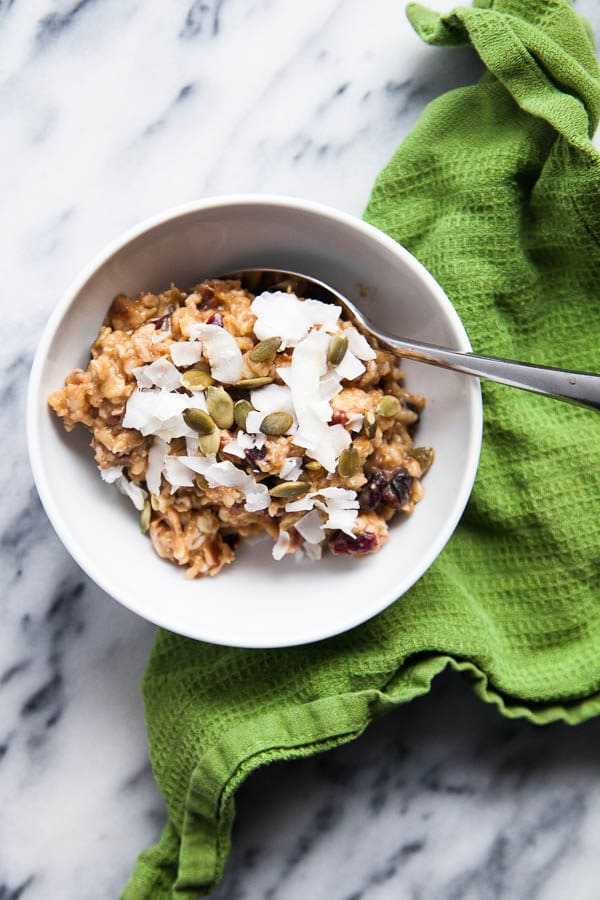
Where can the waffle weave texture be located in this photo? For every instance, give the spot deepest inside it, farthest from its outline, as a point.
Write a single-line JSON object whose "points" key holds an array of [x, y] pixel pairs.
{"points": [[497, 192]]}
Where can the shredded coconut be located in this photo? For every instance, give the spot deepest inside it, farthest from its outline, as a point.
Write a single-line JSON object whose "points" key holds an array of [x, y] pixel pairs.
{"points": [[224, 355], [340, 505], [225, 474], [186, 353], [130, 489], [243, 442], [159, 412], [156, 460], [312, 411], [310, 527], [284, 315], [358, 344], [161, 373], [281, 545], [350, 366], [111, 473], [292, 468], [177, 474]]}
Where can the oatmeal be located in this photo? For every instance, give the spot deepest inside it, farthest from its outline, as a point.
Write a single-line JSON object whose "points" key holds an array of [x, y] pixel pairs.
{"points": [[222, 414]]}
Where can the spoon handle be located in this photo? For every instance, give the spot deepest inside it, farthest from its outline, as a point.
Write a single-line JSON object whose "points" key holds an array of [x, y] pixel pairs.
{"points": [[582, 388]]}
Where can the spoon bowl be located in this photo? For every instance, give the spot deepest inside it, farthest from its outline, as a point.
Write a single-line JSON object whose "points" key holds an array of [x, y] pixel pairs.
{"points": [[582, 388]]}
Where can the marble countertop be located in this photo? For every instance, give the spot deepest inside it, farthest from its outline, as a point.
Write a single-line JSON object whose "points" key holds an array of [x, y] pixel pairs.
{"points": [[111, 111]]}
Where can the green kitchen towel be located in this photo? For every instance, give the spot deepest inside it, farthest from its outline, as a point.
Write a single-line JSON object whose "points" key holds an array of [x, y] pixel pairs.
{"points": [[497, 192]]}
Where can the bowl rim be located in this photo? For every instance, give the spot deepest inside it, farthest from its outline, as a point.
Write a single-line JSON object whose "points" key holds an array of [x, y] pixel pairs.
{"points": [[52, 509]]}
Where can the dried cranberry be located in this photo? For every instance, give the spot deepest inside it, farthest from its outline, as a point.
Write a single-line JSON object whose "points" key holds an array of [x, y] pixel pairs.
{"points": [[339, 417], [401, 484], [163, 323], [215, 319], [253, 454], [341, 544], [372, 494], [393, 489]]}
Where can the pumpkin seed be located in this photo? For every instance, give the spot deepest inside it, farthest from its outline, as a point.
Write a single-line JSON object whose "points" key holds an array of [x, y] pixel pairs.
{"points": [[196, 380], [220, 406], [337, 349], [240, 412], [250, 383], [198, 421], [155, 502], [313, 465], [288, 489], [424, 456], [388, 407], [145, 516], [210, 443], [276, 423], [265, 349], [370, 424], [349, 462]]}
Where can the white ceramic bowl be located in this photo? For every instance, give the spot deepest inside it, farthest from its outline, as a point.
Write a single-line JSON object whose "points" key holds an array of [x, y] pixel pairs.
{"points": [[255, 602]]}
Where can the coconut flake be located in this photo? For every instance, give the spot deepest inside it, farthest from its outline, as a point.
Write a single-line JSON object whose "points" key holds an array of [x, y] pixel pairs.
{"points": [[313, 551], [350, 367], [130, 489], [159, 412], [111, 473], [310, 527], [340, 505], [355, 422], [358, 344], [272, 398], [243, 442], [161, 373], [177, 474], [156, 460], [191, 444], [225, 474], [186, 353], [284, 315], [224, 355], [329, 385], [281, 545], [292, 468], [312, 411]]}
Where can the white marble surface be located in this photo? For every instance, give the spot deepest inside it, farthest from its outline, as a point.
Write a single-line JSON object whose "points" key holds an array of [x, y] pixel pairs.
{"points": [[112, 110]]}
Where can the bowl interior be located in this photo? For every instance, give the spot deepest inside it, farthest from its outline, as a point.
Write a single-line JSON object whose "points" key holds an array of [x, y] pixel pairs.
{"points": [[255, 601]]}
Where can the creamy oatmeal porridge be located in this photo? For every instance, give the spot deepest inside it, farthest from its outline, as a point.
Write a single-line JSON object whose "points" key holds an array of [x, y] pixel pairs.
{"points": [[223, 413]]}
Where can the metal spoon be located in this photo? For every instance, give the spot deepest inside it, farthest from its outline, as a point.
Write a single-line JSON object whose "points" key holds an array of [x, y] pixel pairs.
{"points": [[582, 388]]}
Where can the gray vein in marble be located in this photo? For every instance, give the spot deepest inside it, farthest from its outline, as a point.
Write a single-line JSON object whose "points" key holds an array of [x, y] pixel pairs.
{"points": [[202, 19], [54, 24]]}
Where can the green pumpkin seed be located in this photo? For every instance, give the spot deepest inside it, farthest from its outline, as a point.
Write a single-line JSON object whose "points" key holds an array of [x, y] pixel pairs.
{"points": [[288, 489], [265, 349], [276, 423], [337, 349], [198, 421], [388, 407], [220, 406], [424, 456], [210, 443], [196, 380], [145, 516], [240, 412], [250, 383], [313, 465], [370, 424], [349, 462]]}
